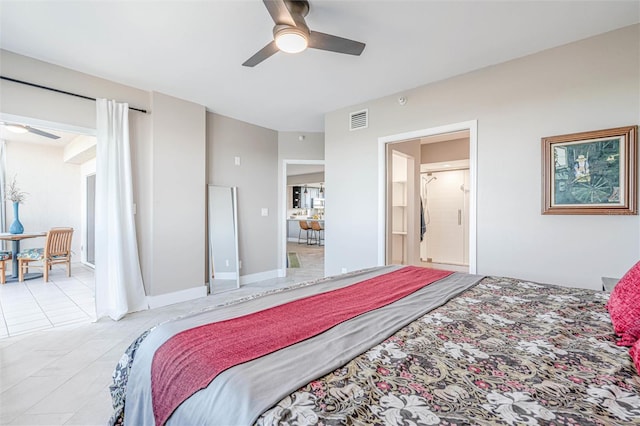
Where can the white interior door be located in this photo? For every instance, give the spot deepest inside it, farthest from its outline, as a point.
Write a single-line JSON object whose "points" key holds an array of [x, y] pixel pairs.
{"points": [[446, 216]]}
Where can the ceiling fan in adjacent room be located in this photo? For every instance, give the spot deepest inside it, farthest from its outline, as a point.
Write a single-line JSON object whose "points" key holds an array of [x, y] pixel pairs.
{"points": [[291, 34], [23, 128]]}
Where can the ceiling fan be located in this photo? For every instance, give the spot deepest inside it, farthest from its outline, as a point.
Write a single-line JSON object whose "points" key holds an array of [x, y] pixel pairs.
{"points": [[23, 128], [291, 34]]}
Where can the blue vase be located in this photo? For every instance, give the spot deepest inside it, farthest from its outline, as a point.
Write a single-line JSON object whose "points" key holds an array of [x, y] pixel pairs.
{"points": [[16, 227]]}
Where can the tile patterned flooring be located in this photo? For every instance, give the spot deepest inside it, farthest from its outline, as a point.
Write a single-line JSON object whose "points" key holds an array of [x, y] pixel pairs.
{"points": [[36, 305], [59, 372]]}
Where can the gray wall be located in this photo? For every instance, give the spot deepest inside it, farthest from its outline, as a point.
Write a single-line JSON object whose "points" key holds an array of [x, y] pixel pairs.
{"points": [[588, 85], [290, 147], [179, 191], [457, 149], [256, 178]]}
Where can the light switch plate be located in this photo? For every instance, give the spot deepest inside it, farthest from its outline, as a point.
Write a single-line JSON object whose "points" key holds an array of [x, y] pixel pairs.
{"points": [[265, 211]]}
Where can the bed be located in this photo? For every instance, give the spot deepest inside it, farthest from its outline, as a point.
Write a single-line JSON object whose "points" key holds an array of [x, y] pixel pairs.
{"points": [[449, 349]]}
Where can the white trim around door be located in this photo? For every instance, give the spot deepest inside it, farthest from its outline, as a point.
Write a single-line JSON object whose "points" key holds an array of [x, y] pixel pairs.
{"points": [[472, 127], [282, 270]]}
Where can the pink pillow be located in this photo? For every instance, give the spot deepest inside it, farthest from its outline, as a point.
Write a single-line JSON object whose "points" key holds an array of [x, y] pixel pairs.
{"points": [[635, 355], [624, 307]]}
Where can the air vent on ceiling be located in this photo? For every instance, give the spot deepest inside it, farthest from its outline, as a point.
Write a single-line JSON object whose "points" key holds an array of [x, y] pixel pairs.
{"points": [[359, 120]]}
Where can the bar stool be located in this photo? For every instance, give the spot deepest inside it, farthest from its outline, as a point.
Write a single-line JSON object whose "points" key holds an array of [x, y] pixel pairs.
{"points": [[304, 226], [318, 229]]}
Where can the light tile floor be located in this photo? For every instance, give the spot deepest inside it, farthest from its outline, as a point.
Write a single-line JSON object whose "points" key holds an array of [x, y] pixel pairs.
{"points": [[35, 305], [60, 375]]}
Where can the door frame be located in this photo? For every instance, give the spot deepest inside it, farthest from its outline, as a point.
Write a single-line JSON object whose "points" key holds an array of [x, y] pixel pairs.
{"points": [[283, 224], [69, 128], [472, 127], [87, 218]]}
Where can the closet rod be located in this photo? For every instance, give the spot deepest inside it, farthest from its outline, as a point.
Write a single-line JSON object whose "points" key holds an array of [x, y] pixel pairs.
{"points": [[60, 91]]}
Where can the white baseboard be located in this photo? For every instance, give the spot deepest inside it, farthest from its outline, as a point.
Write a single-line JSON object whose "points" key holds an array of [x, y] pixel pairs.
{"points": [[177, 297], [260, 276]]}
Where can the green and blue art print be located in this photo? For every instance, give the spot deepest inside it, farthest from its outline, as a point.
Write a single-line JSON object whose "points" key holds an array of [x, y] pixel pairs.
{"points": [[588, 173], [591, 172]]}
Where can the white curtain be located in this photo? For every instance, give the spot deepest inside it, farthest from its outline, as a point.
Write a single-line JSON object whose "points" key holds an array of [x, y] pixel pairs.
{"points": [[119, 287]]}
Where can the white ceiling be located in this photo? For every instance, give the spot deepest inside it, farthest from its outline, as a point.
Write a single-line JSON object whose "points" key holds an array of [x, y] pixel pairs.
{"points": [[32, 138], [194, 49]]}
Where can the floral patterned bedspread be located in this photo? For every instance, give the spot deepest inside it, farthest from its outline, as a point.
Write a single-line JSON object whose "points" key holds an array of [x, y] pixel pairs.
{"points": [[504, 352]]}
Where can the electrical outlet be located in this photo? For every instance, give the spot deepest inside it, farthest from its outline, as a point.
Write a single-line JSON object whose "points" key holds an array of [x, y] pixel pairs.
{"points": [[226, 262], [343, 271], [239, 264]]}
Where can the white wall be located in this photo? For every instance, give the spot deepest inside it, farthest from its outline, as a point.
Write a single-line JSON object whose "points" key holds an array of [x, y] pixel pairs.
{"points": [[54, 197], [588, 85]]}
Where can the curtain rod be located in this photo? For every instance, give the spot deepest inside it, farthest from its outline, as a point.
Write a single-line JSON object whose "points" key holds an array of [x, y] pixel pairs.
{"points": [[59, 91]]}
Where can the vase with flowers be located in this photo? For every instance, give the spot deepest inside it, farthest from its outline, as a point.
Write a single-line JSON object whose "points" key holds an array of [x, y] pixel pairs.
{"points": [[16, 196]]}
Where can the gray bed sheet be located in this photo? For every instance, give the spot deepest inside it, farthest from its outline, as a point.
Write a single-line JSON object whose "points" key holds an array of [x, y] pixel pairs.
{"points": [[239, 395]]}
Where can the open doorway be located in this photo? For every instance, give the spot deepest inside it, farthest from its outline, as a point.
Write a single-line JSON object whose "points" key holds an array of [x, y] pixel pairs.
{"points": [[444, 195], [401, 205], [442, 233], [53, 171], [303, 220]]}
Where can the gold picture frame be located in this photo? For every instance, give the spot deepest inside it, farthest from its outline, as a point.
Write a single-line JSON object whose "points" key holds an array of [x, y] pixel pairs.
{"points": [[591, 172]]}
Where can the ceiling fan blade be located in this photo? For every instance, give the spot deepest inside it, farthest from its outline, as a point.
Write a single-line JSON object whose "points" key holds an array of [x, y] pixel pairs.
{"points": [[41, 133], [279, 12], [335, 44], [261, 55]]}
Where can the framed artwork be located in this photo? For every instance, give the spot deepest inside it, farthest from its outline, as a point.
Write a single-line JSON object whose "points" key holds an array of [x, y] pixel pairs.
{"points": [[590, 172]]}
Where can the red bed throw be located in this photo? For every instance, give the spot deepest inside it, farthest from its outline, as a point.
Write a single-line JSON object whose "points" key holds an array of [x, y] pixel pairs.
{"points": [[190, 360]]}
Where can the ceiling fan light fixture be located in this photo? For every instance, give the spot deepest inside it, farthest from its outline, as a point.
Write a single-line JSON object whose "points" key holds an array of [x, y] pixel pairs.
{"points": [[291, 40], [16, 128]]}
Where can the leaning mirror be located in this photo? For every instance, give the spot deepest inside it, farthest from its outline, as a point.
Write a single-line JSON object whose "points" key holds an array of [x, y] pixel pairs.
{"points": [[224, 271]]}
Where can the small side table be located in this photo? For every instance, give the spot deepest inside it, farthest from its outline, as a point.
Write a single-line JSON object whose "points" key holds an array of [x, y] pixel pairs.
{"points": [[609, 283]]}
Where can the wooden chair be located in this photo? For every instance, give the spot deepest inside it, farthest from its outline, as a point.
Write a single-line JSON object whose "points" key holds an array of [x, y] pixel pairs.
{"points": [[57, 249], [4, 256]]}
